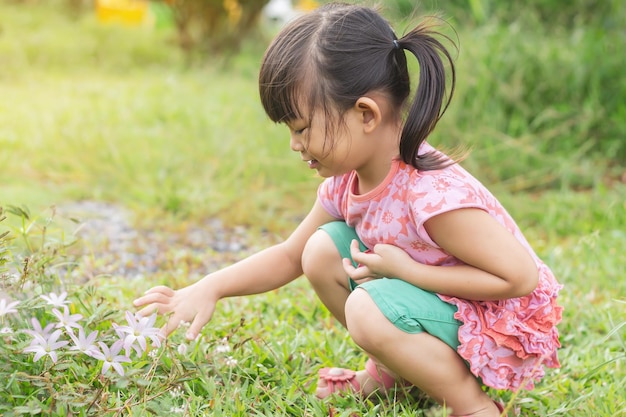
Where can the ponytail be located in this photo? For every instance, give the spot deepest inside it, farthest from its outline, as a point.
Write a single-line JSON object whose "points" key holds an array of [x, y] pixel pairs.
{"points": [[428, 102]]}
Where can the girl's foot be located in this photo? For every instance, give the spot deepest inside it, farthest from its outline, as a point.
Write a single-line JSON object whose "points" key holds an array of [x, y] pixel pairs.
{"points": [[365, 382], [372, 380]]}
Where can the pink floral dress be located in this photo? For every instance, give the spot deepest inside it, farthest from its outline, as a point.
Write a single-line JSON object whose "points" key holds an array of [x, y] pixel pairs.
{"points": [[506, 342]]}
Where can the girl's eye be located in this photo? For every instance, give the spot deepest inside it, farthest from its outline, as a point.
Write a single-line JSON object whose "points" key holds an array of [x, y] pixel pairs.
{"points": [[299, 131]]}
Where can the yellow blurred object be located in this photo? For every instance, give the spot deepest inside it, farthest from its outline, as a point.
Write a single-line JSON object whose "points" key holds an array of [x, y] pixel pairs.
{"points": [[233, 8], [131, 12], [307, 5]]}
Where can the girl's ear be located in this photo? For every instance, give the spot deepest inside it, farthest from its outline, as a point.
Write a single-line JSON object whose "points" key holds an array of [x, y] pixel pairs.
{"points": [[371, 114]]}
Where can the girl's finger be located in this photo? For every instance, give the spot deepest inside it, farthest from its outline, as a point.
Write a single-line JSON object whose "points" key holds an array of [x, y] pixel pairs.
{"points": [[148, 310], [163, 332], [171, 325], [161, 289], [152, 298], [195, 328], [348, 266], [357, 274], [354, 248], [197, 324], [358, 256]]}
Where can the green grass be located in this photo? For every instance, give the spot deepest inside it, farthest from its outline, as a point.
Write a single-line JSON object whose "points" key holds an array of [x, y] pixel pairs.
{"points": [[114, 120], [108, 113]]}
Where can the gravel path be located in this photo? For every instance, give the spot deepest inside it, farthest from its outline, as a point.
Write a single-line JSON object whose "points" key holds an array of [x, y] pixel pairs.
{"points": [[109, 244]]}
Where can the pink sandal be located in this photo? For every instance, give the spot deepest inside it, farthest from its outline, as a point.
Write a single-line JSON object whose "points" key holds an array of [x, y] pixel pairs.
{"points": [[341, 380]]}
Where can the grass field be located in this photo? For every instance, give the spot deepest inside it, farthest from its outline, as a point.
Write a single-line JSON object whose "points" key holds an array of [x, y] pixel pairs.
{"points": [[115, 114]]}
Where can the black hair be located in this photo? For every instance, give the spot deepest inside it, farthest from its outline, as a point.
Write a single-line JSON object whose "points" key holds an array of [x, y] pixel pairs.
{"points": [[338, 53]]}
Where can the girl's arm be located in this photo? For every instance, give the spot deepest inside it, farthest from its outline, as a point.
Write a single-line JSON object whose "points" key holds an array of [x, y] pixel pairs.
{"points": [[261, 272], [497, 265]]}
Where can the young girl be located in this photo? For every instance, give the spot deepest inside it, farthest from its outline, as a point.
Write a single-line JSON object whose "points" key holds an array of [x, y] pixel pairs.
{"points": [[427, 271]]}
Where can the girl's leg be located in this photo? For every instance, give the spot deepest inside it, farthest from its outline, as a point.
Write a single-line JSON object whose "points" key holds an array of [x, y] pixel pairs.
{"points": [[321, 263], [420, 358]]}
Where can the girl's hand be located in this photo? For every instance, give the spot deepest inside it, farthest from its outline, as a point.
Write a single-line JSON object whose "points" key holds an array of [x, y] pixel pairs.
{"points": [[188, 304], [377, 263]]}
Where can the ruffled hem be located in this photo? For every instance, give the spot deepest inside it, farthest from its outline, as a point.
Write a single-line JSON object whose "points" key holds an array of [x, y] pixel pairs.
{"points": [[509, 342]]}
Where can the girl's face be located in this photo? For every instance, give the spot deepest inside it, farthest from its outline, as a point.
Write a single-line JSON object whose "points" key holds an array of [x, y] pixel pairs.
{"points": [[333, 151]]}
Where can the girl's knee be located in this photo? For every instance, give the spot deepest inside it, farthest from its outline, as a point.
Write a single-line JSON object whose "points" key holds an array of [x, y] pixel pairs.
{"points": [[318, 254], [365, 321]]}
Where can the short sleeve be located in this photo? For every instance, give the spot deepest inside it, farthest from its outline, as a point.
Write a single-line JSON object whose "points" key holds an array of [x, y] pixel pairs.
{"points": [[331, 194], [436, 192]]}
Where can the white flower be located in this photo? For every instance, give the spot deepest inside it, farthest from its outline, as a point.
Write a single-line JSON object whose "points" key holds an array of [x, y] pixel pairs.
{"points": [[66, 319], [176, 392], [84, 344], [230, 361], [56, 300], [223, 346], [138, 329], [111, 357], [8, 308], [6, 330], [45, 332], [42, 346], [182, 349]]}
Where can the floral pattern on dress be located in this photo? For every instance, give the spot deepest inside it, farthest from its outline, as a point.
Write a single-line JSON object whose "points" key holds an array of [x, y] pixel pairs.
{"points": [[506, 342]]}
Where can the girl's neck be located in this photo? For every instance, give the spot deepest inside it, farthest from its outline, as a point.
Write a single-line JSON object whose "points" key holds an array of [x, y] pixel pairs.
{"points": [[375, 171], [365, 184]]}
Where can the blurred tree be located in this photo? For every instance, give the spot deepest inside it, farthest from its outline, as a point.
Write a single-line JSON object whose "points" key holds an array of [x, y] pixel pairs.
{"points": [[216, 26]]}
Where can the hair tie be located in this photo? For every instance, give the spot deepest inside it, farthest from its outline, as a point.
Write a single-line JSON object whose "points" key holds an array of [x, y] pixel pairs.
{"points": [[396, 44]]}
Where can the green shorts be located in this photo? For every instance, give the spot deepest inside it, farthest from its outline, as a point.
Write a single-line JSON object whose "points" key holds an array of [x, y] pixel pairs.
{"points": [[408, 307]]}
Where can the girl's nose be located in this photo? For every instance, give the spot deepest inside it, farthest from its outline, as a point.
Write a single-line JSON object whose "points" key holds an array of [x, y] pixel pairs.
{"points": [[295, 144]]}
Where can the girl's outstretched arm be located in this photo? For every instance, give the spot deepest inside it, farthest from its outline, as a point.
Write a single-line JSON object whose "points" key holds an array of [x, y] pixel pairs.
{"points": [[264, 271], [497, 266]]}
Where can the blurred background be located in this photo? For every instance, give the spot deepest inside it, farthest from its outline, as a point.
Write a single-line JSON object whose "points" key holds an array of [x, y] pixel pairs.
{"points": [[154, 104]]}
